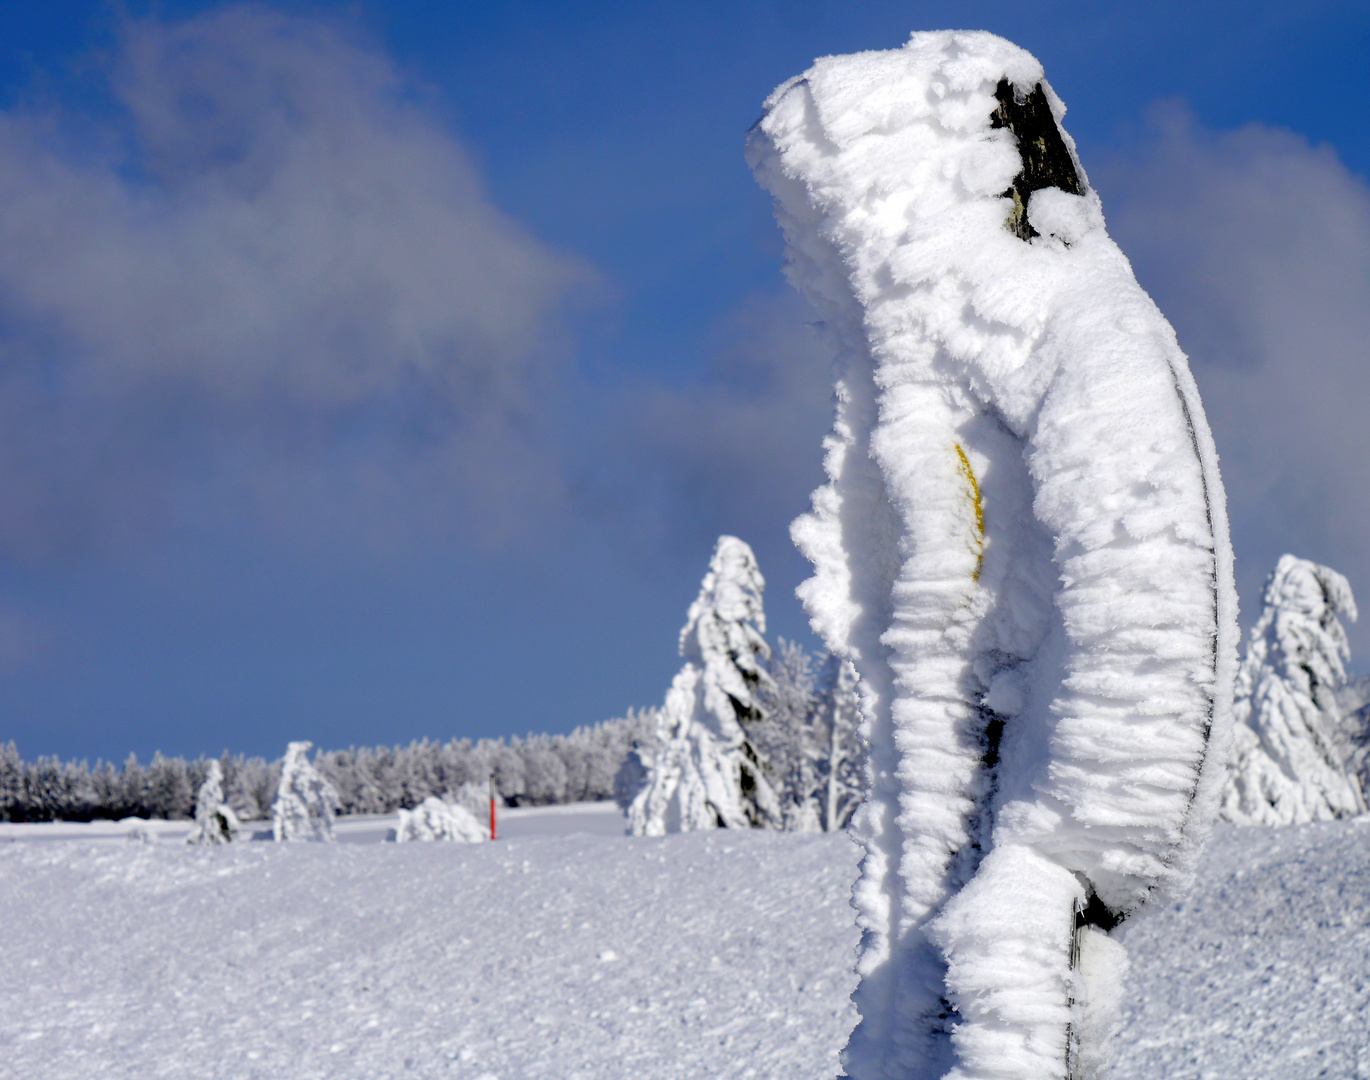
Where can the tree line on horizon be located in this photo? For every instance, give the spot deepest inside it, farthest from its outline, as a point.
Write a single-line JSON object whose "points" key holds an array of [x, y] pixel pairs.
{"points": [[536, 770]]}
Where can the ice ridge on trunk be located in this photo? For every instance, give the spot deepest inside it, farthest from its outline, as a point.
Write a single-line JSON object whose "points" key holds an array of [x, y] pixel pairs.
{"points": [[707, 771], [1287, 766], [1022, 547]]}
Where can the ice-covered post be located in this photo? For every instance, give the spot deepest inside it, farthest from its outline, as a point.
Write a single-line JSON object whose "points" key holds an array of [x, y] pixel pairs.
{"points": [[1022, 548]]}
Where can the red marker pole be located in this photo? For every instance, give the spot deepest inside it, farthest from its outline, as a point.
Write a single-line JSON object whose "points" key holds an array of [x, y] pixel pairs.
{"points": [[492, 806]]}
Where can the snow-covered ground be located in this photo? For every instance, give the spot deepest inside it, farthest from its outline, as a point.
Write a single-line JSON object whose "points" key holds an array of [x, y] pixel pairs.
{"points": [[570, 951], [570, 954], [1262, 971]]}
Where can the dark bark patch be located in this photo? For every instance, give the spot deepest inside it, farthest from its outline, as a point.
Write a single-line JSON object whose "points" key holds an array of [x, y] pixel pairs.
{"points": [[1046, 161]]}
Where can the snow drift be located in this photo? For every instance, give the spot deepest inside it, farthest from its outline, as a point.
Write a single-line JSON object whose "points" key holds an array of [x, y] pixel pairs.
{"points": [[1022, 547]]}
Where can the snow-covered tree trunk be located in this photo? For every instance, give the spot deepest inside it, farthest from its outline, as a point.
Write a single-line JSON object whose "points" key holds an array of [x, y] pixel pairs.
{"points": [[1022, 548], [1287, 766], [305, 801], [706, 771], [215, 821]]}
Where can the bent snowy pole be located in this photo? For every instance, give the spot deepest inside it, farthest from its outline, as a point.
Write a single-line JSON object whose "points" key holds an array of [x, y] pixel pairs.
{"points": [[1022, 547]]}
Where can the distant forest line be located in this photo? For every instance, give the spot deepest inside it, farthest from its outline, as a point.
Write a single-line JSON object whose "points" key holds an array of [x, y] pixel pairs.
{"points": [[539, 769]]}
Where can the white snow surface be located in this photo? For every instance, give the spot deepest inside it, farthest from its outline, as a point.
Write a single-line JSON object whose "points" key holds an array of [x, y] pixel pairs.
{"points": [[1259, 971], [567, 956], [573, 953], [1023, 530]]}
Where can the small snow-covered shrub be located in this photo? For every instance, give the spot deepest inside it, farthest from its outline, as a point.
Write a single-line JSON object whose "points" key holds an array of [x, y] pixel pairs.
{"points": [[435, 819], [1289, 766], [305, 801], [215, 821]]}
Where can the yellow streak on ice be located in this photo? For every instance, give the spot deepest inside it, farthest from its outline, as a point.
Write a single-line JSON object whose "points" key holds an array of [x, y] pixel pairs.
{"points": [[979, 510]]}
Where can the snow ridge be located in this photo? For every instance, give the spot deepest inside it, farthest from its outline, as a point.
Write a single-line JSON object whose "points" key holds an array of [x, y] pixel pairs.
{"points": [[1022, 548]]}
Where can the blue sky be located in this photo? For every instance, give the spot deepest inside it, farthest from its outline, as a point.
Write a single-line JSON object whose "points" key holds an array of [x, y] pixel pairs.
{"points": [[370, 371]]}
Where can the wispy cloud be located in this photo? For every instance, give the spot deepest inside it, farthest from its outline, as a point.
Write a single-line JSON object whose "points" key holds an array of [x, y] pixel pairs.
{"points": [[1256, 244], [270, 265]]}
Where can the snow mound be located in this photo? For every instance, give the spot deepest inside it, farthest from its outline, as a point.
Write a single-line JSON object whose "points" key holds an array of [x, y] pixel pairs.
{"points": [[434, 819], [1022, 548]]}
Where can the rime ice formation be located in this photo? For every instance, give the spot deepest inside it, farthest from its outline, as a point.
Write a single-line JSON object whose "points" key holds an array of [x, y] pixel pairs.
{"points": [[305, 800], [434, 819], [706, 772], [1287, 768], [1022, 547], [215, 821]]}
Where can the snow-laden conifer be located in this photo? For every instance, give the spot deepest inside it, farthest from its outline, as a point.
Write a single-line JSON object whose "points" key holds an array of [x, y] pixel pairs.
{"points": [[1022, 548], [438, 819], [215, 821], [305, 801], [1288, 766], [706, 771], [840, 744]]}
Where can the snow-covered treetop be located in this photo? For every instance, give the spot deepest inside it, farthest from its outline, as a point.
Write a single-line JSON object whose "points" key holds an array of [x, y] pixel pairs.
{"points": [[724, 630], [1299, 635]]}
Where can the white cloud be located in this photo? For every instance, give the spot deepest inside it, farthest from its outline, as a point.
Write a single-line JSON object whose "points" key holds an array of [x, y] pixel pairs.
{"points": [[1257, 246], [269, 264]]}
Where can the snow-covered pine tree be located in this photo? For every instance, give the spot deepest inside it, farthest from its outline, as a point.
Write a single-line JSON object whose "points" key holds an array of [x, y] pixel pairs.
{"points": [[215, 821], [305, 801], [1022, 547], [789, 739], [12, 804], [438, 819], [706, 771], [837, 724], [1287, 765]]}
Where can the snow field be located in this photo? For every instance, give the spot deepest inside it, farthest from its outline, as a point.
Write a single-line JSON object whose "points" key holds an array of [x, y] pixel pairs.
{"points": [[709, 955], [1262, 970], [573, 957]]}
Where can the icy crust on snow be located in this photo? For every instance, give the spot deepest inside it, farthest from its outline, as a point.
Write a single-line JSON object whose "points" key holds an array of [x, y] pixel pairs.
{"points": [[1022, 547], [706, 773], [1287, 768]]}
